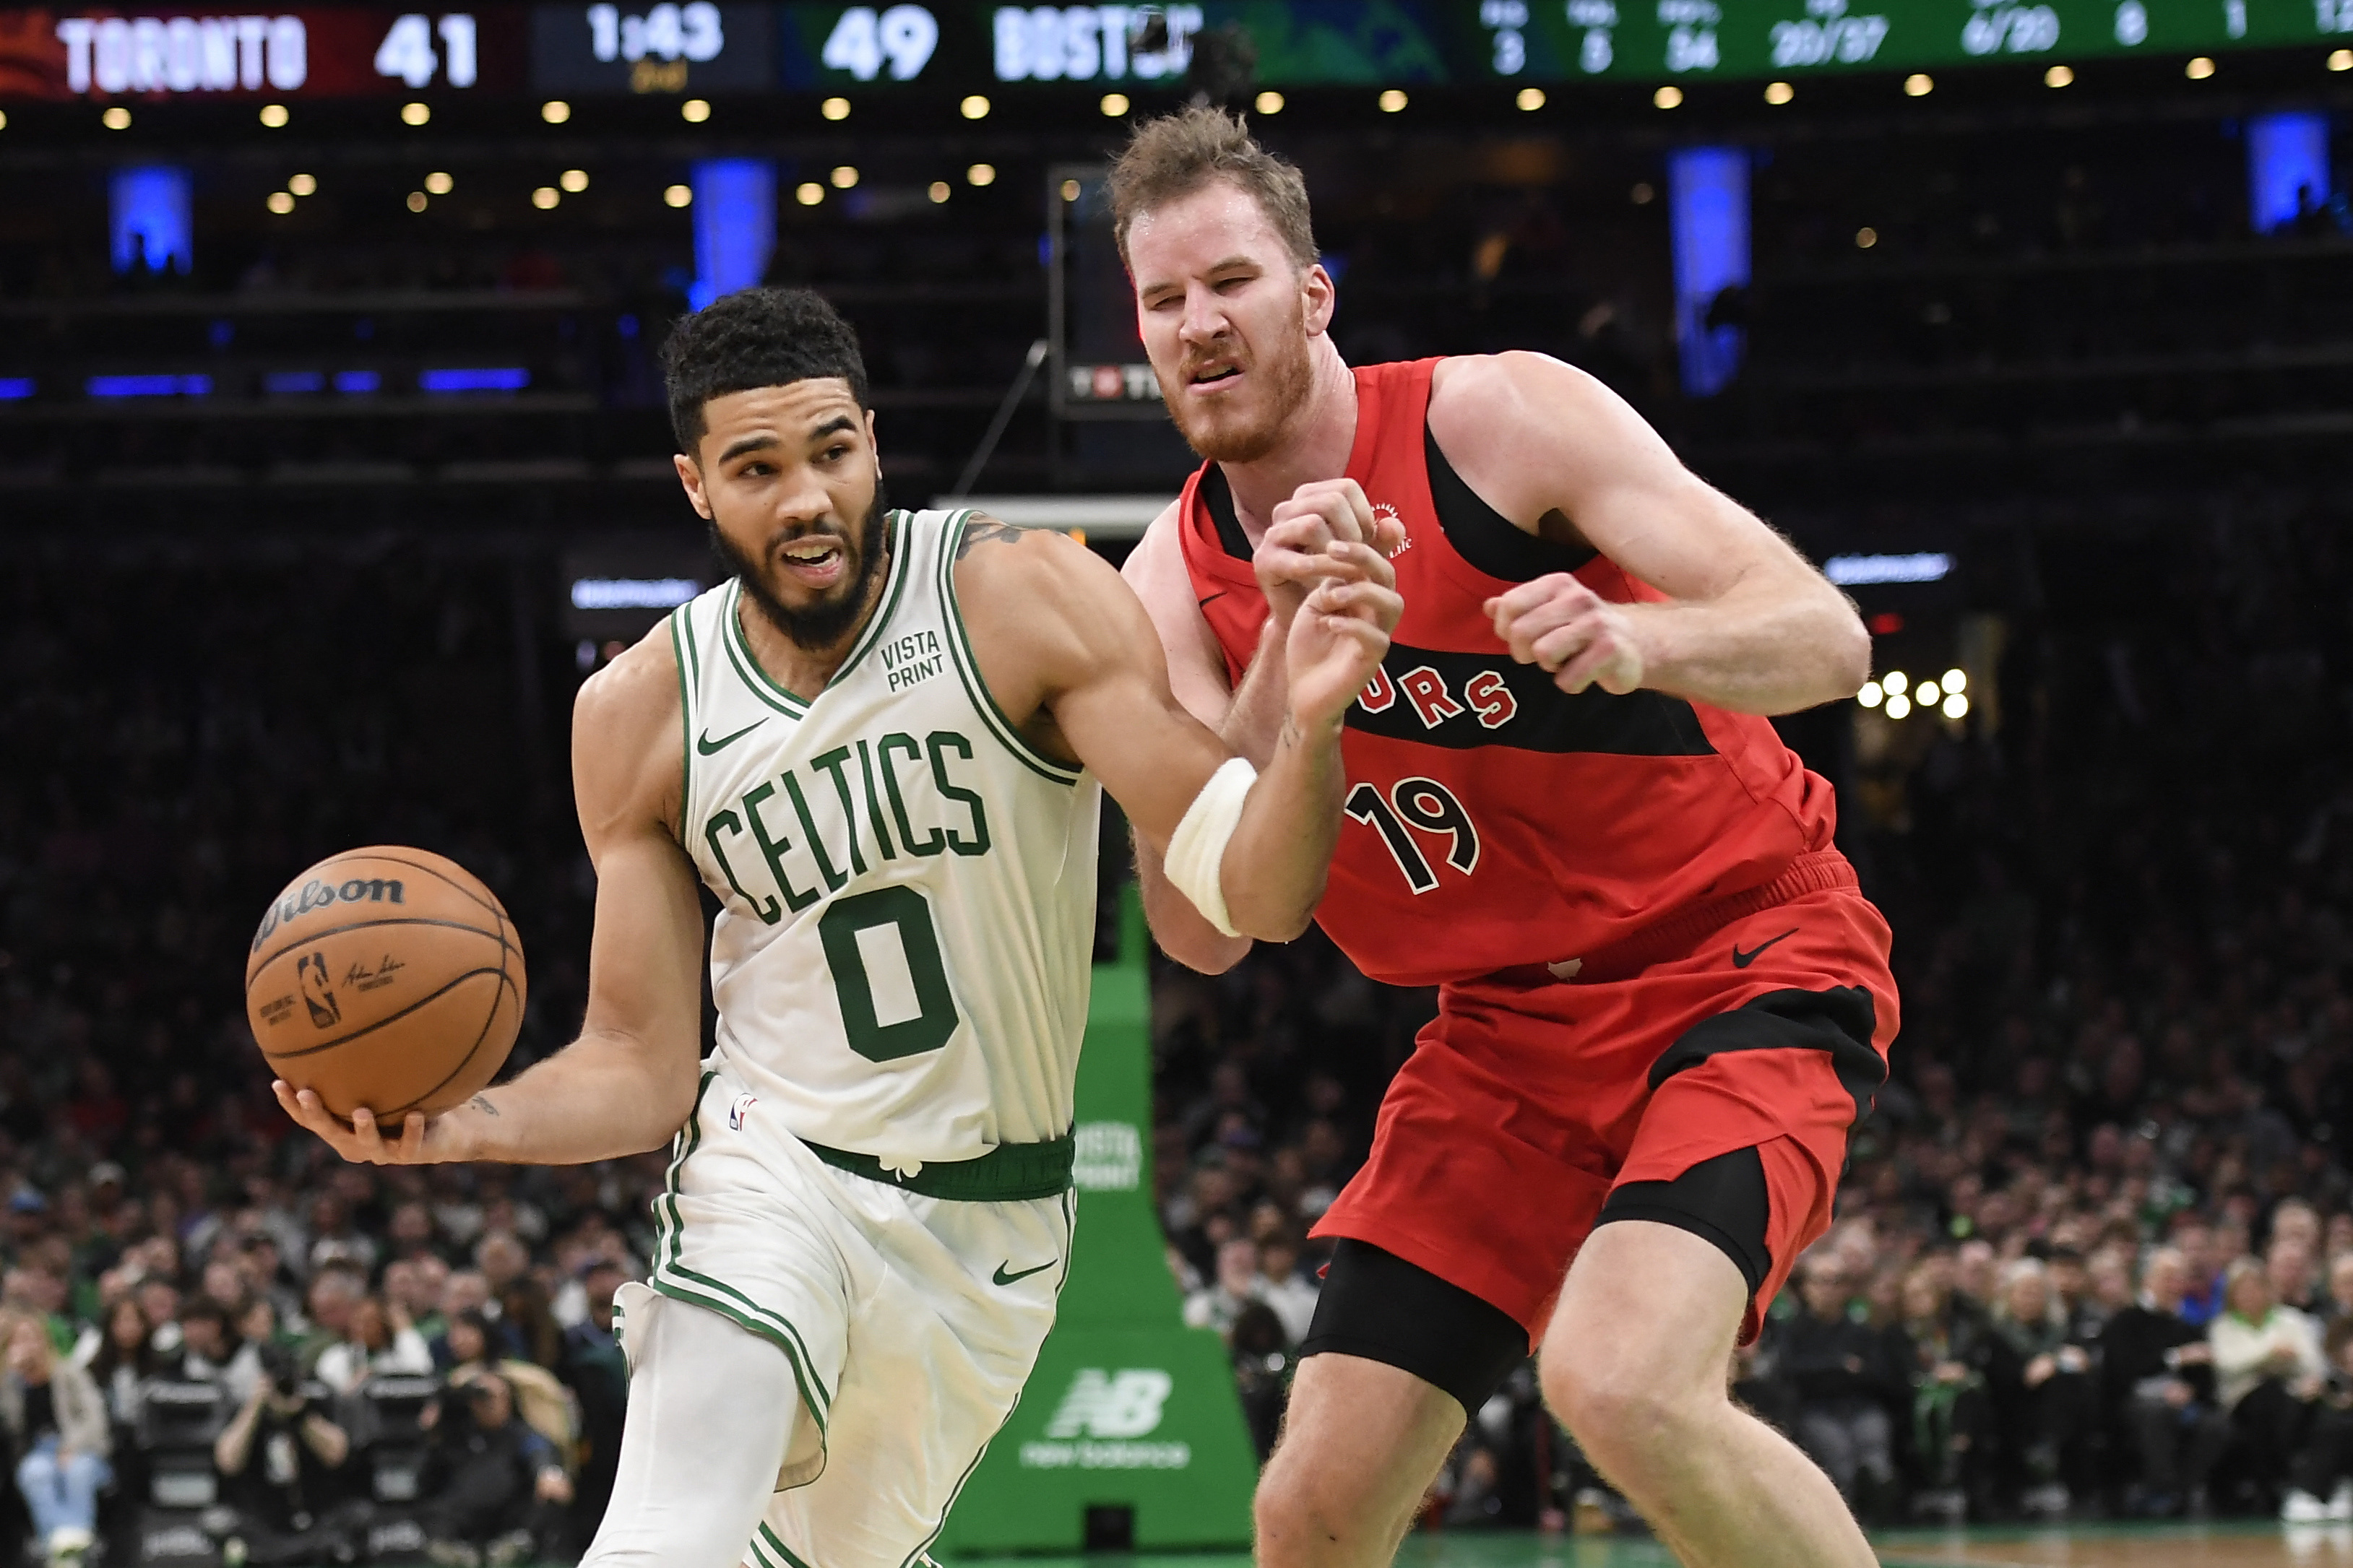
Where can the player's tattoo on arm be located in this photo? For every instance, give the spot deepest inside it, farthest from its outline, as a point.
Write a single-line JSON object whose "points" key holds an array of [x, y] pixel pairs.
{"points": [[982, 531], [481, 1102]]}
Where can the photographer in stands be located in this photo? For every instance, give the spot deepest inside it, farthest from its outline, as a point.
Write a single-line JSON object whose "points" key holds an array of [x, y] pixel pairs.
{"points": [[284, 1464], [499, 1489]]}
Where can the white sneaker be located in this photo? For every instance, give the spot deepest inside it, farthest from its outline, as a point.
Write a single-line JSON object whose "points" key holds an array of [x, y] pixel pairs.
{"points": [[2303, 1508], [2340, 1502]]}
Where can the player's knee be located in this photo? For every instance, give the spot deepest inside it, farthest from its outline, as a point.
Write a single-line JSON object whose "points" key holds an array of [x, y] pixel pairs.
{"points": [[1305, 1518], [1630, 1417]]}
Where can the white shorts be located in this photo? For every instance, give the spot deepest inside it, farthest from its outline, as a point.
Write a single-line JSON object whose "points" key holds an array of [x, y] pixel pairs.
{"points": [[911, 1323]]}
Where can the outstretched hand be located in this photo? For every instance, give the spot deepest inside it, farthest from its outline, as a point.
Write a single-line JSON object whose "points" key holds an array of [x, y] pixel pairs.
{"points": [[1327, 532], [1336, 642], [361, 1140]]}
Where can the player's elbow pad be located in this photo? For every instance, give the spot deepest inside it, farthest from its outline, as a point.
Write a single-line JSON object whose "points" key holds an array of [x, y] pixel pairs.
{"points": [[1196, 850]]}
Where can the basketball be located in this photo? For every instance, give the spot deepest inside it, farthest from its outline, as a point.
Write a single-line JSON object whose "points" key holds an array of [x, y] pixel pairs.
{"points": [[386, 977]]}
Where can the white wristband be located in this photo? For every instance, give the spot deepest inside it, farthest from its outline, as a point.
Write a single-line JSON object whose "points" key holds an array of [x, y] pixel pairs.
{"points": [[1196, 850]]}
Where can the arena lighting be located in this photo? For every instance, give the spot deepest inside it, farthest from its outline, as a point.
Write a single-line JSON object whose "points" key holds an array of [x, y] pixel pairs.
{"points": [[417, 200], [695, 110], [1270, 102], [1955, 680], [2058, 75], [1927, 694], [274, 116], [2199, 67], [1392, 100], [290, 383], [1957, 706], [678, 196], [16, 388], [1866, 238], [116, 119], [303, 186], [505, 378], [835, 108], [734, 225], [974, 108], [633, 593], [416, 113], [1919, 84], [1070, 189], [1530, 100], [574, 181], [1865, 571], [358, 383], [149, 387], [1707, 199], [938, 192], [1898, 705], [1668, 97], [439, 183], [280, 202], [1895, 683], [844, 178], [981, 174], [1871, 694], [1113, 105], [2340, 60], [546, 197], [1777, 93], [2287, 162], [555, 112], [808, 192], [150, 226]]}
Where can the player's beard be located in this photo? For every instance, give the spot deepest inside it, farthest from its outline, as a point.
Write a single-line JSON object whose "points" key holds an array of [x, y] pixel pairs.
{"points": [[823, 622], [1289, 376]]}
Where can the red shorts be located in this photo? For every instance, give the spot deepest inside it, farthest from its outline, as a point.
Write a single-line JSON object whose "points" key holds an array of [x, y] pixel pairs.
{"points": [[1528, 1098]]}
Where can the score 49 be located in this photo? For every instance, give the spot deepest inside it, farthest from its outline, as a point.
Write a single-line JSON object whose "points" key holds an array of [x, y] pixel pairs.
{"points": [[860, 44]]}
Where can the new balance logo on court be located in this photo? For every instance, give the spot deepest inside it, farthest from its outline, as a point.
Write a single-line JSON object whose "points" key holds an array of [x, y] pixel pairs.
{"points": [[1106, 1404]]}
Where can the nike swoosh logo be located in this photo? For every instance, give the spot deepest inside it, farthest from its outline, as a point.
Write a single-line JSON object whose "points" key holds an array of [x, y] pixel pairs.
{"points": [[1002, 1278], [1742, 959], [1204, 602], [708, 747]]}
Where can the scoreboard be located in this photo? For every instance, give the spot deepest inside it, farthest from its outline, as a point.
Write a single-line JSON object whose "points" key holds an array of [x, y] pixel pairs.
{"points": [[723, 45]]}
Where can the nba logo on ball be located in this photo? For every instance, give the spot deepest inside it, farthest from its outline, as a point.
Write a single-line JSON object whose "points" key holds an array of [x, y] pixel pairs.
{"points": [[739, 1109]]}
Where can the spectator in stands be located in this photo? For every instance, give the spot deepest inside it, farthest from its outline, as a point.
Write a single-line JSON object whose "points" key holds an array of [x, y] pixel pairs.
{"points": [[337, 1288], [593, 1368], [1947, 1348], [1235, 1287], [2321, 1479], [2268, 1369], [2157, 1382], [2339, 1305], [285, 1468], [2202, 1302], [1838, 1368], [56, 1418], [378, 1340], [496, 1488], [1286, 1287], [2295, 1278], [210, 1351], [2043, 1399]]}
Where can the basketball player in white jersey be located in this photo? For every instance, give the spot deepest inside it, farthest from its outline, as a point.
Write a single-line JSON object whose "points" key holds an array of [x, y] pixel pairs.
{"points": [[878, 745]]}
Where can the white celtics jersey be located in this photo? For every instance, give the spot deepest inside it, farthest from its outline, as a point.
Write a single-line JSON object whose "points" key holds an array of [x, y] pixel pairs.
{"points": [[901, 959]]}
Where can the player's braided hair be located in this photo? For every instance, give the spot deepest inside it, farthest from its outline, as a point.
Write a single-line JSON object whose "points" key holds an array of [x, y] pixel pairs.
{"points": [[1177, 154], [753, 337]]}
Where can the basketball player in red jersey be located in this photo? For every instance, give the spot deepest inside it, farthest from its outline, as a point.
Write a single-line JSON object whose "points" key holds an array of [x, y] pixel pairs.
{"points": [[1663, 1003]]}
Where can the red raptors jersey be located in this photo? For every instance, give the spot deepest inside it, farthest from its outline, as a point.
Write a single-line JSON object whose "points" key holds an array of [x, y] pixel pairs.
{"points": [[1493, 820]]}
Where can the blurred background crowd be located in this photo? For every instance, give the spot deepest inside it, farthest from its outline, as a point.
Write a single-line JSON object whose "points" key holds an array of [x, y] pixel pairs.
{"points": [[2093, 1251]]}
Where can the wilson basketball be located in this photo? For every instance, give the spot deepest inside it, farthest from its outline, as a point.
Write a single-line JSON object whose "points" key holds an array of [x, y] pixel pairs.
{"points": [[386, 977]]}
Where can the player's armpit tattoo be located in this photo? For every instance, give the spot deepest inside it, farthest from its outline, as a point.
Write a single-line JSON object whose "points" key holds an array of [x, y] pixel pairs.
{"points": [[481, 1102], [981, 530]]}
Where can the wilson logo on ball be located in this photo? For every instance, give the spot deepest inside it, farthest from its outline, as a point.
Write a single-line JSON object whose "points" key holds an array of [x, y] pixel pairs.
{"points": [[318, 895]]}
